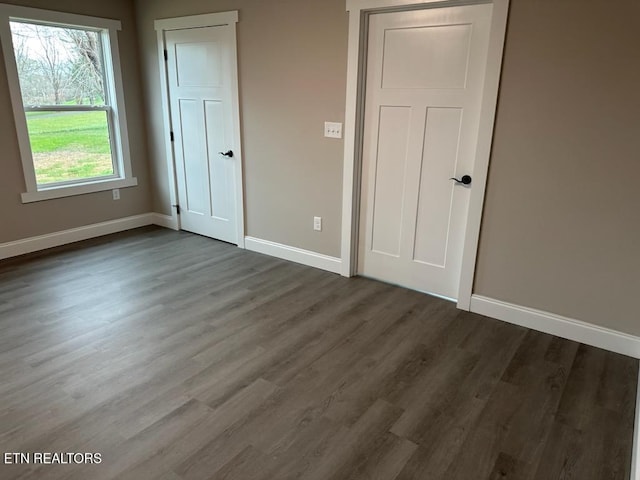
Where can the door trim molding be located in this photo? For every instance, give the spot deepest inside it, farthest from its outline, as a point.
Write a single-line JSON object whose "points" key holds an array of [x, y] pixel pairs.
{"points": [[198, 21], [359, 12]]}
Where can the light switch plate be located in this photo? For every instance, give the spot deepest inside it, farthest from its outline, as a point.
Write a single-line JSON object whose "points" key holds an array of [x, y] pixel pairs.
{"points": [[332, 130]]}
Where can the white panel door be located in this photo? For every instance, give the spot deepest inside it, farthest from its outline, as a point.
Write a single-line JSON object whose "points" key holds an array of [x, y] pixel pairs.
{"points": [[200, 89], [425, 76]]}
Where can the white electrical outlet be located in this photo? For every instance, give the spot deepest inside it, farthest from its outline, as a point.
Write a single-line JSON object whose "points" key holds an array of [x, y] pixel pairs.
{"points": [[317, 224], [332, 130], [116, 193]]}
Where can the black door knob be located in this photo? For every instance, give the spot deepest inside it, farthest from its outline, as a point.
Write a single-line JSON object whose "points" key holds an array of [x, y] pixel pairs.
{"points": [[465, 180], [228, 153]]}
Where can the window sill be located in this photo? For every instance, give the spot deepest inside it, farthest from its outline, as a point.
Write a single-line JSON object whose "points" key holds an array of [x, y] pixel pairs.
{"points": [[73, 190]]}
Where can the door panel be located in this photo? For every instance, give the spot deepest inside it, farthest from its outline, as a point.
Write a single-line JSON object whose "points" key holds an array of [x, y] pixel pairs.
{"points": [[435, 195], [196, 190], [425, 74], [198, 64], [199, 72], [426, 57], [221, 207], [389, 179]]}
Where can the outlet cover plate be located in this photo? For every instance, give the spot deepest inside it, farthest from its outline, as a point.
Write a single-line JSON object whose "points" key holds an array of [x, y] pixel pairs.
{"points": [[332, 130]]}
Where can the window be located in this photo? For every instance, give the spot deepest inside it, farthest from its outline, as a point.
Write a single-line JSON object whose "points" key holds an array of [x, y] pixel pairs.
{"points": [[66, 91]]}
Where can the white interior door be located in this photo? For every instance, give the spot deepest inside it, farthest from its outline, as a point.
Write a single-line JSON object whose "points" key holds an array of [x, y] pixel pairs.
{"points": [[425, 77], [199, 62]]}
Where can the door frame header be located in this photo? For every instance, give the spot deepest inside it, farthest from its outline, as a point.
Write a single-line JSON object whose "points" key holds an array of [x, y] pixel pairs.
{"points": [[361, 5], [197, 21]]}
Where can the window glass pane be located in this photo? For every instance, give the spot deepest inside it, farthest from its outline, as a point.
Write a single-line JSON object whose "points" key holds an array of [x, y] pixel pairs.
{"points": [[69, 146], [58, 66]]}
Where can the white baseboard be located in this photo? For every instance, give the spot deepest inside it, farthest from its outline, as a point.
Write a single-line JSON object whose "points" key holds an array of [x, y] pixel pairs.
{"points": [[560, 326], [293, 254], [166, 221], [42, 242]]}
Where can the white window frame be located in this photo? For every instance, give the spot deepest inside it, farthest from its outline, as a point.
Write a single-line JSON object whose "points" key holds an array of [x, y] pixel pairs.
{"points": [[108, 29]]}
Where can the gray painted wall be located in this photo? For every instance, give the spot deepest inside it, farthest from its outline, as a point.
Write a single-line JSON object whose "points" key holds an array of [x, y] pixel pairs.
{"points": [[292, 59], [561, 227]]}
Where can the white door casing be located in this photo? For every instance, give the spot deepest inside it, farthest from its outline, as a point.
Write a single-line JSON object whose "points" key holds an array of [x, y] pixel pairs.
{"points": [[425, 75], [198, 74], [360, 12]]}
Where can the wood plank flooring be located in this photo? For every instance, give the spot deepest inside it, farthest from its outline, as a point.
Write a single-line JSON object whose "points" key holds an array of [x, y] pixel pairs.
{"points": [[180, 358]]}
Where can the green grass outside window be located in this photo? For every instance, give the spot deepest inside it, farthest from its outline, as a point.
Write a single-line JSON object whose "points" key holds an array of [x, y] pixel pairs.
{"points": [[69, 145]]}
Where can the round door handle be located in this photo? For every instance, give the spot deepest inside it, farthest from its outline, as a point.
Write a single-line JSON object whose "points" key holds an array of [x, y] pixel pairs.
{"points": [[465, 180], [228, 153]]}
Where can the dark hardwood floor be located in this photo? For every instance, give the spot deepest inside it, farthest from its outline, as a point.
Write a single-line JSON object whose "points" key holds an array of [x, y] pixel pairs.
{"points": [[179, 357]]}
